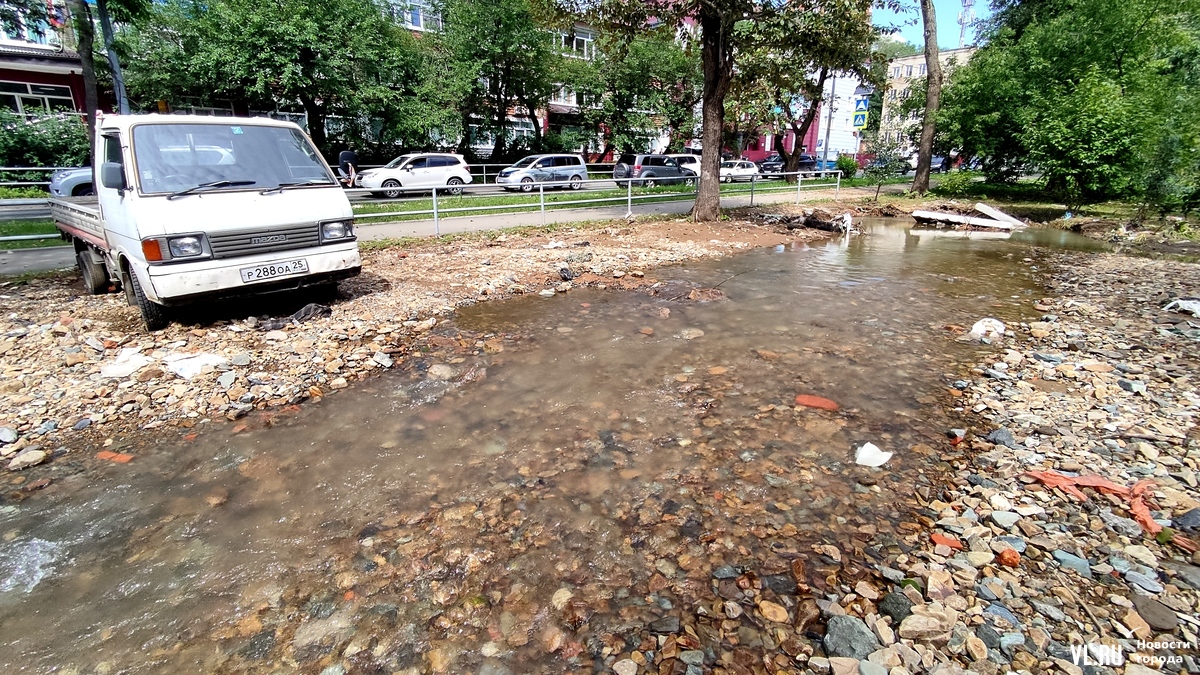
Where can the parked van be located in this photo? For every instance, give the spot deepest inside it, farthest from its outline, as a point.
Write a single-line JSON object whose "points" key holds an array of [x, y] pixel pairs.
{"points": [[551, 170], [190, 208]]}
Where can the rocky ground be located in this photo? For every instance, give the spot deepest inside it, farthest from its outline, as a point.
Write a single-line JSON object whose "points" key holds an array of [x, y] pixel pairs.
{"points": [[77, 371], [1067, 524], [1052, 531]]}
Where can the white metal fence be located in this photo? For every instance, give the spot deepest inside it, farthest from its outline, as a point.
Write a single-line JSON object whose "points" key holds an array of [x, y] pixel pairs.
{"points": [[755, 185], [635, 189]]}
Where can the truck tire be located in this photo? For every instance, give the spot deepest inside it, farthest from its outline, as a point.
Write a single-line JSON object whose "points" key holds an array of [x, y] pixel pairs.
{"points": [[95, 276], [154, 315]]}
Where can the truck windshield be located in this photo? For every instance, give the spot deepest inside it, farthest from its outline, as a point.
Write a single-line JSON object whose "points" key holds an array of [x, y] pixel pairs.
{"points": [[177, 157]]}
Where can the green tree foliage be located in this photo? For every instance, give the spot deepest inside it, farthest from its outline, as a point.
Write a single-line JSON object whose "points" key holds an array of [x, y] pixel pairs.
{"points": [[508, 59], [728, 29], [631, 85], [347, 60], [889, 161], [1101, 96]]}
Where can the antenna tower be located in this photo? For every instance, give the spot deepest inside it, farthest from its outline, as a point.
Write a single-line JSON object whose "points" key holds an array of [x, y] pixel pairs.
{"points": [[965, 18]]}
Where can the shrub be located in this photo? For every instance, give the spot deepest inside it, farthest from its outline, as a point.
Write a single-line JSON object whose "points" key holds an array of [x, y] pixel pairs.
{"points": [[52, 140], [955, 184], [22, 193], [847, 165]]}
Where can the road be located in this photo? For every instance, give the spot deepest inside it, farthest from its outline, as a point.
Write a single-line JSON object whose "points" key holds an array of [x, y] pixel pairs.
{"points": [[24, 261]]}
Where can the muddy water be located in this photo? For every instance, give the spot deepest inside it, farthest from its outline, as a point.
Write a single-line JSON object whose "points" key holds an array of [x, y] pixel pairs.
{"points": [[553, 477]]}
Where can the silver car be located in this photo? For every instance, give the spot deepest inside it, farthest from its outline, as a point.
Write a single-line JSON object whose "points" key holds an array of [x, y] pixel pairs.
{"points": [[550, 170], [72, 182]]}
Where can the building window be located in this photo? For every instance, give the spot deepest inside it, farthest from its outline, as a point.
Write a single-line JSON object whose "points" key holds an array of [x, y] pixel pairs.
{"points": [[896, 71], [35, 99], [892, 95], [417, 15], [564, 95], [923, 69], [908, 70], [578, 43]]}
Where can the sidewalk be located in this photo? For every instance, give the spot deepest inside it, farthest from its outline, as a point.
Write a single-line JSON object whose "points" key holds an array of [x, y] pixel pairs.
{"points": [[24, 261]]}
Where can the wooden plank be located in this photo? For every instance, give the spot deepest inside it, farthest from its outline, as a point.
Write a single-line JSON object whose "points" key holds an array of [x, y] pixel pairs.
{"points": [[935, 217], [998, 214]]}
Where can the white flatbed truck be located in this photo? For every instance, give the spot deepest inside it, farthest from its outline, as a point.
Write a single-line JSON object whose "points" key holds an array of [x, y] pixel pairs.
{"points": [[191, 208]]}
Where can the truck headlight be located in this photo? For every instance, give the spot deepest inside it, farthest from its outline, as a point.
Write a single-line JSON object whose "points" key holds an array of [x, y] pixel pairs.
{"points": [[185, 247], [339, 229]]}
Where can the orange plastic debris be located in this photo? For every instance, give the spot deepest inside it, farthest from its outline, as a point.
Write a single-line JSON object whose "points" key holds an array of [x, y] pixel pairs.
{"points": [[105, 454], [1135, 495], [939, 538], [122, 458], [810, 401]]}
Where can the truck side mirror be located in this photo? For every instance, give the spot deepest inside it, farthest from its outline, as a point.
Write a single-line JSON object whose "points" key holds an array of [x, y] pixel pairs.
{"points": [[112, 175]]}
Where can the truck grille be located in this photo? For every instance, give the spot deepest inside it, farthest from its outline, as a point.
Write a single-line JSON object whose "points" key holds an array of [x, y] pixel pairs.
{"points": [[252, 242]]}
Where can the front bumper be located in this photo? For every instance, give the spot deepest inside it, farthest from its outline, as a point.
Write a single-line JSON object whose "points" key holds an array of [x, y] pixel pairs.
{"points": [[512, 179], [180, 284]]}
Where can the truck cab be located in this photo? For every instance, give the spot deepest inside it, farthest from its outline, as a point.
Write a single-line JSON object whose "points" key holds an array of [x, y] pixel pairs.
{"points": [[189, 208]]}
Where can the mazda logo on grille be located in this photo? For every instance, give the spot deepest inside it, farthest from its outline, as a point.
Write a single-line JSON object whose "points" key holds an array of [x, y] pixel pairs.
{"points": [[269, 239]]}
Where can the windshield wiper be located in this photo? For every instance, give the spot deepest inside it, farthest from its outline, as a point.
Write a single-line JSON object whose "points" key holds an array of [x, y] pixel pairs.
{"points": [[283, 186], [210, 186]]}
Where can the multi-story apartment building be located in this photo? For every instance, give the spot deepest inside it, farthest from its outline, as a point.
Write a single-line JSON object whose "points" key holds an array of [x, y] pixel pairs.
{"points": [[902, 72], [39, 71]]}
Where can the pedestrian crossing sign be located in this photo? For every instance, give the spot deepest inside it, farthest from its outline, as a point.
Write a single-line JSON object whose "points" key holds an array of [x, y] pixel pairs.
{"points": [[860, 120], [861, 105]]}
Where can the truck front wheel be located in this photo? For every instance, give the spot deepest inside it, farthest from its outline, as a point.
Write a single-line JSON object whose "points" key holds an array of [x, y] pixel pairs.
{"points": [[95, 277], [154, 315]]}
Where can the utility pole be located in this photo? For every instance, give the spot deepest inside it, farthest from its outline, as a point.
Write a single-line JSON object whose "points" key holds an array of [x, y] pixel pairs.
{"points": [[113, 63], [829, 121]]}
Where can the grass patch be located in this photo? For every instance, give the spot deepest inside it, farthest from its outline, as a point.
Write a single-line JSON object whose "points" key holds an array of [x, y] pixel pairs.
{"points": [[516, 231], [554, 200], [12, 228]]}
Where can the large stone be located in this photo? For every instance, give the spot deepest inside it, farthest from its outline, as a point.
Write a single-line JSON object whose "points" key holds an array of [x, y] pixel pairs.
{"points": [[1074, 562], [1005, 519], [26, 459], [895, 605], [7, 435], [1002, 437], [1159, 616], [843, 666], [625, 667], [940, 585], [850, 637], [928, 622]]}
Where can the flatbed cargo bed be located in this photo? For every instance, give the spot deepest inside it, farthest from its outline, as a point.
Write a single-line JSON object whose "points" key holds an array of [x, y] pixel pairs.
{"points": [[79, 217]]}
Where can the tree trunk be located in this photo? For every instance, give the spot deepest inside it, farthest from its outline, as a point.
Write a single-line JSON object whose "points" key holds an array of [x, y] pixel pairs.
{"points": [[933, 98], [717, 58], [316, 125], [113, 62], [85, 34]]}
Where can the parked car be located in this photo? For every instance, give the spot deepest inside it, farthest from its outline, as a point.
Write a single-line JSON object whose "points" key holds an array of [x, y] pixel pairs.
{"points": [[652, 170], [936, 164], [772, 165], [738, 170], [416, 172], [553, 170], [172, 224], [72, 182], [689, 162]]}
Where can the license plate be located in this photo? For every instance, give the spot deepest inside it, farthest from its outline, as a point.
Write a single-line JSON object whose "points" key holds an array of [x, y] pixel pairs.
{"points": [[280, 269]]}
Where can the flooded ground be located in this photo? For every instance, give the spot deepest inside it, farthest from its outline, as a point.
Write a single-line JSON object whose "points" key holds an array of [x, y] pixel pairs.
{"points": [[564, 480]]}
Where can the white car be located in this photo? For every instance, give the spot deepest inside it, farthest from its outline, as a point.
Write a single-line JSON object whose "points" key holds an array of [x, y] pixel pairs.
{"points": [[738, 170], [689, 162], [416, 173]]}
